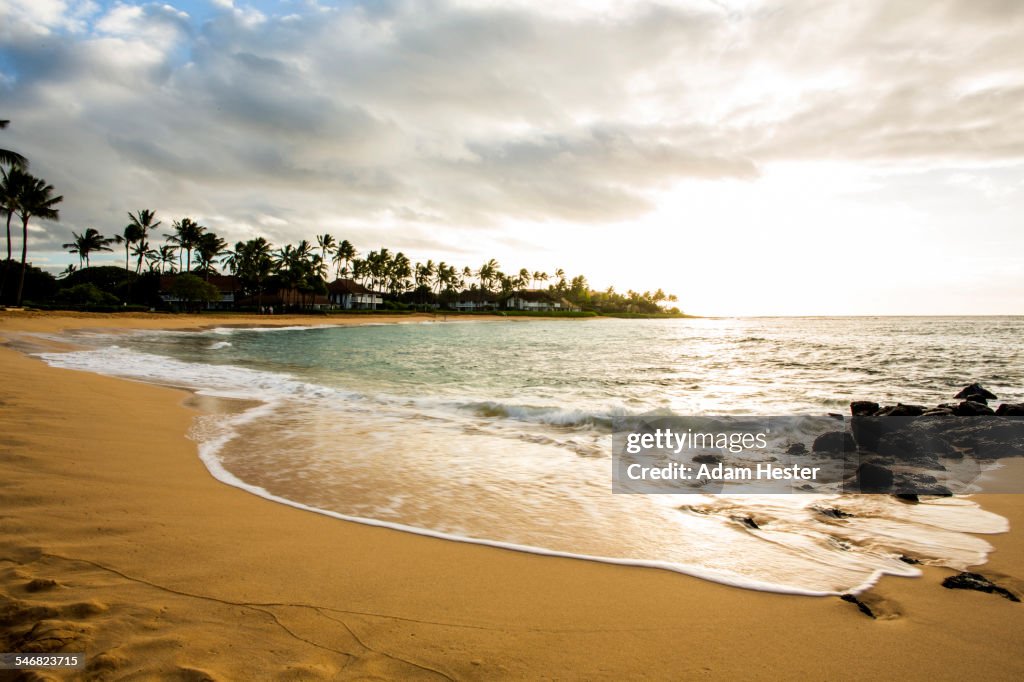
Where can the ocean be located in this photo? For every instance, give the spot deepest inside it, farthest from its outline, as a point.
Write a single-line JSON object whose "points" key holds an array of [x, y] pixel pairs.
{"points": [[498, 432]]}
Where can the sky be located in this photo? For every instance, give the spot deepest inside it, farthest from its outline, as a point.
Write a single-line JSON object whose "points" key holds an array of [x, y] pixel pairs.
{"points": [[753, 158]]}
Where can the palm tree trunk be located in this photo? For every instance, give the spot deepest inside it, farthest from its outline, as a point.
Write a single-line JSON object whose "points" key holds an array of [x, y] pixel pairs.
{"points": [[126, 244], [7, 263], [24, 257]]}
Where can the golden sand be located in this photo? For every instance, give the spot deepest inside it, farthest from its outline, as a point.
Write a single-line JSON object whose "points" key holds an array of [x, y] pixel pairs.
{"points": [[115, 541]]}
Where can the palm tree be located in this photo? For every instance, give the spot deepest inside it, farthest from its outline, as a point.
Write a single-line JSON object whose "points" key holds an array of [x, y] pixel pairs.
{"points": [[10, 182], [35, 200], [209, 248], [168, 253], [327, 245], [142, 251], [9, 158], [90, 241], [523, 279], [487, 273], [132, 234], [378, 263], [252, 262], [187, 234], [505, 283], [399, 274], [359, 270], [425, 273], [144, 221], [441, 276], [297, 267], [345, 253]]}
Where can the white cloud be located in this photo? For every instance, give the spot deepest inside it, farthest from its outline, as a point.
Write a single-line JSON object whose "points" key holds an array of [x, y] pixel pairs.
{"points": [[42, 17], [482, 116]]}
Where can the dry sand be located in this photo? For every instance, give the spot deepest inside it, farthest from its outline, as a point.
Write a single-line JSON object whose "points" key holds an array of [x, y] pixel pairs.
{"points": [[115, 541]]}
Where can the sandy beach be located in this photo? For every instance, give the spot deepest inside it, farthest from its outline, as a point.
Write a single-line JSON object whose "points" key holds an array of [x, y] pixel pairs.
{"points": [[116, 541]]}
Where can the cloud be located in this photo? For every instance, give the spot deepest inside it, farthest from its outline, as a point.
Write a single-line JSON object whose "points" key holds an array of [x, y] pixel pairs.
{"points": [[471, 115]]}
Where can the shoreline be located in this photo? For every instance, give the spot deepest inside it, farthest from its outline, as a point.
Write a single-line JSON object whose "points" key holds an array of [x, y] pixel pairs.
{"points": [[236, 586]]}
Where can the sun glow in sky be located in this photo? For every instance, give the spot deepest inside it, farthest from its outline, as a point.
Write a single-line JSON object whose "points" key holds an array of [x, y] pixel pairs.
{"points": [[790, 157]]}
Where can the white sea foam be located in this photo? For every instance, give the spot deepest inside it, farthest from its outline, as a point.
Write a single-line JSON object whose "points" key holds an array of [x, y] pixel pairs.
{"points": [[226, 381]]}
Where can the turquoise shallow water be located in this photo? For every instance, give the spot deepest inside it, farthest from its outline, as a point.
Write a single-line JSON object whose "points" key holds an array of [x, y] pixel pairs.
{"points": [[498, 431], [756, 366]]}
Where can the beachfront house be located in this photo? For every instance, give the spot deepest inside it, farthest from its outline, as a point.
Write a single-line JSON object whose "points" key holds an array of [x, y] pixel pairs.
{"points": [[539, 301], [283, 299], [228, 286], [350, 295], [475, 299]]}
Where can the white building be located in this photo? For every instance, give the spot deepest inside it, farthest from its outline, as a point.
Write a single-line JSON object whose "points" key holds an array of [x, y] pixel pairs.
{"points": [[350, 295]]}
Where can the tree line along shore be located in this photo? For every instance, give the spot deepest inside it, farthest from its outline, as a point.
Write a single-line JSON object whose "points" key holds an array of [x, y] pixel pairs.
{"points": [[193, 268]]}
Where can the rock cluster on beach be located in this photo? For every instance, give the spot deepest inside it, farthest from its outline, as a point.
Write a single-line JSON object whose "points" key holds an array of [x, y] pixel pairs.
{"points": [[973, 402], [902, 456]]}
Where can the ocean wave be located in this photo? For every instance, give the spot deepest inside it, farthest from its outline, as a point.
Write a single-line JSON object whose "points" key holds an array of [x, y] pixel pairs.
{"points": [[226, 381], [288, 328], [539, 414]]}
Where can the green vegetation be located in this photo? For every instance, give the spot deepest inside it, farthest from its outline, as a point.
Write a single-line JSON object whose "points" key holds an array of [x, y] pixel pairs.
{"points": [[194, 291], [25, 196]]}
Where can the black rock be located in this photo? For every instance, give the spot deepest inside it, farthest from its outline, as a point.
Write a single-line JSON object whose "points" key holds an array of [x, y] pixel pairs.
{"points": [[867, 431], [834, 443], [1010, 410], [796, 449], [909, 559], [936, 491], [917, 438], [864, 608], [976, 581], [907, 497], [969, 408], [863, 408], [833, 512], [707, 458], [939, 412], [975, 390], [747, 521], [901, 410], [898, 444], [872, 478]]}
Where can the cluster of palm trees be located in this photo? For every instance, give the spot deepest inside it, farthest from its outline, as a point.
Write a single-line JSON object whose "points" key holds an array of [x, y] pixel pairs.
{"points": [[25, 196], [188, 239], [304, 266]]}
